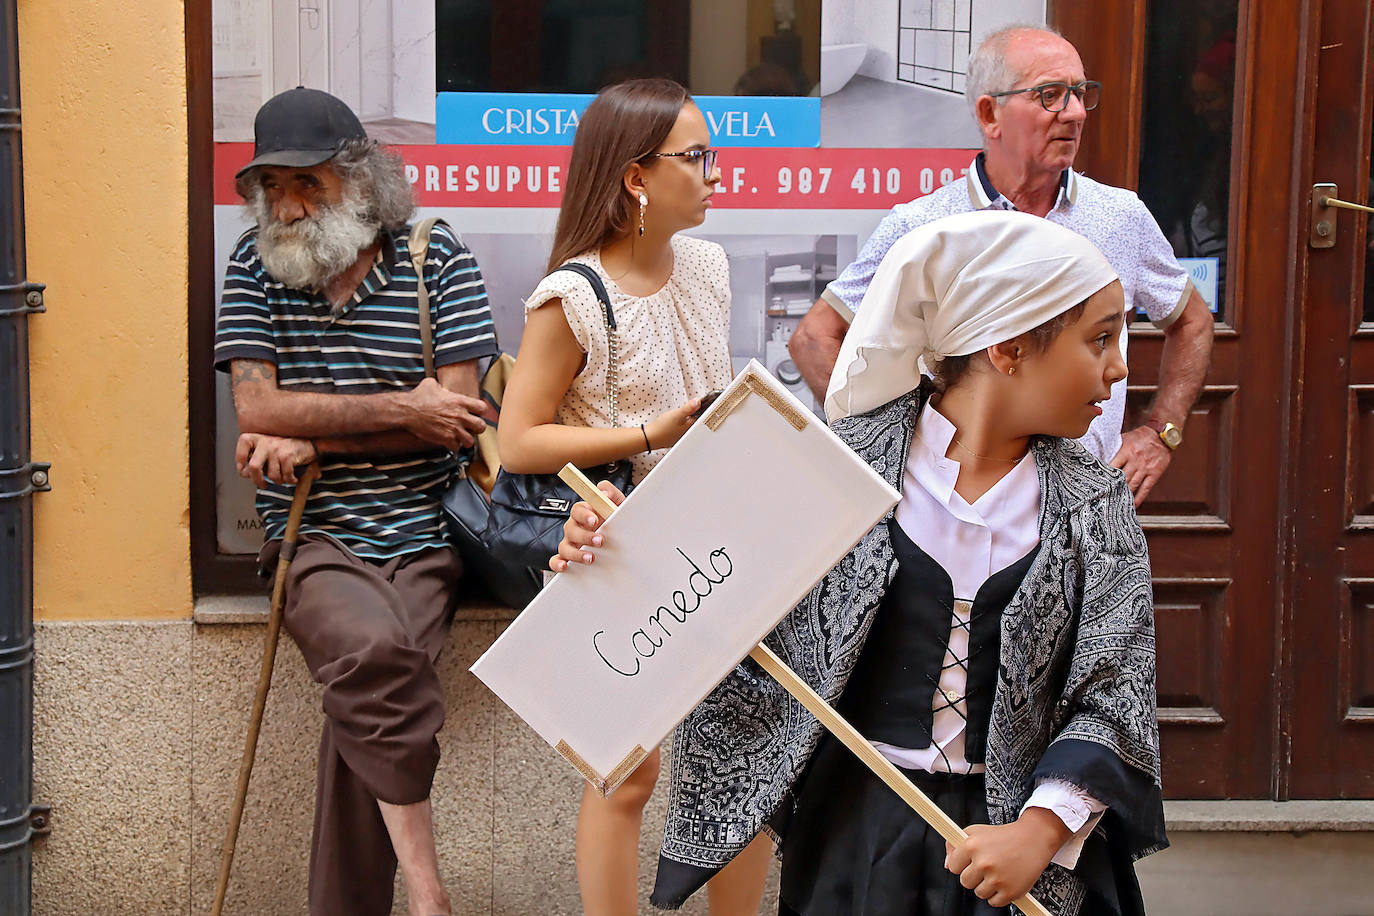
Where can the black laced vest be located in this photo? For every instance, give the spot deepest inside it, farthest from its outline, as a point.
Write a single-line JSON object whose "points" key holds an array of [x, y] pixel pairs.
{"points": [[894, 691]]}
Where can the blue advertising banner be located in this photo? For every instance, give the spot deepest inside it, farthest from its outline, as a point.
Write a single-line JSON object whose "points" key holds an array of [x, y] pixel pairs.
{"points": [[550, 119]]}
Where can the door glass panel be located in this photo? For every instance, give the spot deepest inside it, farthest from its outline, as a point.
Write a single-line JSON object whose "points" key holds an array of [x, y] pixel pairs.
{"points": [[1185, 151], [1368, 249]]}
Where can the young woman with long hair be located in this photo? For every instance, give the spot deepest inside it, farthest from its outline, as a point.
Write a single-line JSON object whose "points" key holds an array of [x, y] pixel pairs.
{"points": [[642, 170], [993, 637]]}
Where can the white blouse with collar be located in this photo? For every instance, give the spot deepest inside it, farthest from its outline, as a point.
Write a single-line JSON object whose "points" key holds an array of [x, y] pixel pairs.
{"points": [[972, 542]]}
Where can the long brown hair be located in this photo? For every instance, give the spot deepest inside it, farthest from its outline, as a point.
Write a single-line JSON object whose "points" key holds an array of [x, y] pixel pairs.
{"points": [[622, 125]]}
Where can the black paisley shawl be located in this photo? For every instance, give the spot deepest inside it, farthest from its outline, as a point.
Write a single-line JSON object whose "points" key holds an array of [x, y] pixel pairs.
{"points": [[1075, 696]]}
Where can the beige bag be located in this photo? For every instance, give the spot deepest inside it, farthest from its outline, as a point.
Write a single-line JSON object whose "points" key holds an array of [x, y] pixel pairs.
{"points": [[486, 460]]}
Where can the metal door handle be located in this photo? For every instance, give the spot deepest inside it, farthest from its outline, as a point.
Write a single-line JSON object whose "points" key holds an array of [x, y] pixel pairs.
{"points": [[1343, 204], [1321, 231]]}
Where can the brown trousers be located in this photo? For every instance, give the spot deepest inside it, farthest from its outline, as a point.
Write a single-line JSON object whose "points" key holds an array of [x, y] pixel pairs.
{"points": [[370, 633]]}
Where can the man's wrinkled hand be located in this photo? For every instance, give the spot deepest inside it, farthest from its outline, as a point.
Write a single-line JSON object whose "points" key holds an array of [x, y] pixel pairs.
{"points": [[435, 414], [1144, 458], [275, 458]]}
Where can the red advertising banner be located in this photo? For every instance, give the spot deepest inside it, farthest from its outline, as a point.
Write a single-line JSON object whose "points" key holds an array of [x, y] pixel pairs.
{"points": [[752, 179]]}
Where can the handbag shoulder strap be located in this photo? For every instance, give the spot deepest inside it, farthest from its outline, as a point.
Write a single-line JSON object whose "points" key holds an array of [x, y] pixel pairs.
{"points": [[612, 361], [598, 288], [419, 251]]}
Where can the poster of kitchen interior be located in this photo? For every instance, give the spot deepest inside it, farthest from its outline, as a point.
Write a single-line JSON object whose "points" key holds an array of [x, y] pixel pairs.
{"points": [[893, 71]]}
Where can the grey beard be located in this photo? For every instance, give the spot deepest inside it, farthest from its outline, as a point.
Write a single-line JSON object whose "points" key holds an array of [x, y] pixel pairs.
{"points": [[310, 252]]}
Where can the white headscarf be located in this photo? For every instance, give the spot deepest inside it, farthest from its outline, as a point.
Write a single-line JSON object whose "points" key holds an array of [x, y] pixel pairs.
{"points": [[953, 287]]}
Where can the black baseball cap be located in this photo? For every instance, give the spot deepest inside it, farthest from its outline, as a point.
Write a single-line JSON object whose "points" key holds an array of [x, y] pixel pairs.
{"points": [[302, 127]]}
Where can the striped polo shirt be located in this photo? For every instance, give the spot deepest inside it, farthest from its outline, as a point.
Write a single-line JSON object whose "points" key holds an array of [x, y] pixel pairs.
{"points": [[388, 506]]}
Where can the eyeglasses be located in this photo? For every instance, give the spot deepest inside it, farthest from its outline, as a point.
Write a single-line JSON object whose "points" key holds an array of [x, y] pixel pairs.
{"points": [[1055, 96], [707, 158]]}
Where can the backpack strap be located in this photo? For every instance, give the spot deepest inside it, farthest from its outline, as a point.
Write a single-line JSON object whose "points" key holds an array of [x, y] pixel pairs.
{"points": [[419, 251]]}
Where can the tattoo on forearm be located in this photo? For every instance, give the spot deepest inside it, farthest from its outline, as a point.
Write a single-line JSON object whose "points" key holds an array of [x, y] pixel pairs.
{"points": [[303, 410], [252, 371]]}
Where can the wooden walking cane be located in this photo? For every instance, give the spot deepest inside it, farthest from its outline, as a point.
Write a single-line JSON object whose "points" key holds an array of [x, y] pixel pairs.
{"points": [[269, 657], [833, 721]]}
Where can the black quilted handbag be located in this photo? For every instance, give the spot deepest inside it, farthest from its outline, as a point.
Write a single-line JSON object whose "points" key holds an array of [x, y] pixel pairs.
{"points": [[467, 511], [528, 510], [464, 502]]}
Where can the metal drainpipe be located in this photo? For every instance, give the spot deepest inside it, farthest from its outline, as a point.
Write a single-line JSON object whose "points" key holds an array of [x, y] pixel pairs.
{"points": [[20, 819]]}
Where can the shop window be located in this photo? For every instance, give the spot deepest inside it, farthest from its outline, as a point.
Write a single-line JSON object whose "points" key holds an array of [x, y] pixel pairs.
{"points": [[714, 47], [387, 59], [1185, 152]]}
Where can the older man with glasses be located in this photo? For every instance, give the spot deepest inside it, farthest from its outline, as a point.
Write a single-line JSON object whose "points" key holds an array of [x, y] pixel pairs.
{"points": [[1030, 97]]}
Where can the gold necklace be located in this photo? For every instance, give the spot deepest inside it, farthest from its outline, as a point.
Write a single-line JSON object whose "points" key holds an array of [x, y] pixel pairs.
{"points": [[985, 457]]}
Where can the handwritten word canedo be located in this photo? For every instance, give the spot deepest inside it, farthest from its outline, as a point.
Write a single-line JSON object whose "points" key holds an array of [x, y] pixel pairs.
{"points": [[641, 642]]}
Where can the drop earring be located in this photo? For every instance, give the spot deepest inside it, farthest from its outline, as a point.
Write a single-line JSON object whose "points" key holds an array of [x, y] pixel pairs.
{"points": [[643, 203]]}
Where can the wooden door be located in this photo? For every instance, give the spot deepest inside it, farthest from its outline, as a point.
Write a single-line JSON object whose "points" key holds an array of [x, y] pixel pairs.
{"points": [[1330, 650], [1215, 522]]}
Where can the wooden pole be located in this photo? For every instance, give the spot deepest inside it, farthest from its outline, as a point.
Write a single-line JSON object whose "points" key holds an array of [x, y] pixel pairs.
{"points": [[269, 657], [834, 723], [601, 503]]}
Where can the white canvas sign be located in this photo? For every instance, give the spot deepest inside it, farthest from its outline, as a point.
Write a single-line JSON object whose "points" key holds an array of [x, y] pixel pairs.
{"points": [[746, 513]]}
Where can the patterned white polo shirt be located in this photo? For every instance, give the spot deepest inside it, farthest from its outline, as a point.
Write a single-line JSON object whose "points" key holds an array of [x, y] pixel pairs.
{"points": [[1112, 218]]}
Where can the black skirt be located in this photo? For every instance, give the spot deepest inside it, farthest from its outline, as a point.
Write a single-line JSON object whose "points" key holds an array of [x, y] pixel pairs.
{"points": [[854, 848]]}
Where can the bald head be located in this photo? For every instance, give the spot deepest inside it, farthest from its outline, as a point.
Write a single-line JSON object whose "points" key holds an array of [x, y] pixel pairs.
{"points": [[1024, 141], [1002, 57]]}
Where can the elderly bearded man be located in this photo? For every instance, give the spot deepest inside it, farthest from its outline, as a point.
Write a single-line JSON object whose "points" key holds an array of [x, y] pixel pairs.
{"points": [[319, 327], [1030, 97]]}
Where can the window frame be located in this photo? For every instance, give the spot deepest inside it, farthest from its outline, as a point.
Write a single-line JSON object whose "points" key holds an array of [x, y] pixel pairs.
{"points": [[212, 572]]}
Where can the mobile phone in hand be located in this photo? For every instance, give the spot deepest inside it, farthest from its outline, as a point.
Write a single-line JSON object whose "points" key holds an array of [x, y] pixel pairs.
{"points": [[706, 401]]}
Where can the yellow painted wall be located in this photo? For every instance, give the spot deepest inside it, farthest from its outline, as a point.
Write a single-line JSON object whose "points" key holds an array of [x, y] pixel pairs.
{"points": [[103, 88]]}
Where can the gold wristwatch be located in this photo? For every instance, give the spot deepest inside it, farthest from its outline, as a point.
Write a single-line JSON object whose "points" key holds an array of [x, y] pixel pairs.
{"points": [[1169, 434]]}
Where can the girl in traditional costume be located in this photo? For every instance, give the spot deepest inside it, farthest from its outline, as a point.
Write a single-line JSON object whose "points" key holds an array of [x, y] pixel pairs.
{"points": [[993, 637], [641, 171]]}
